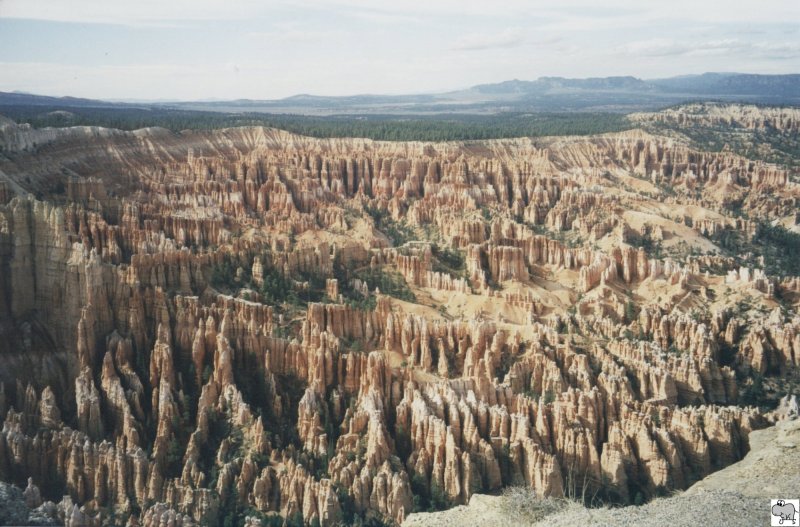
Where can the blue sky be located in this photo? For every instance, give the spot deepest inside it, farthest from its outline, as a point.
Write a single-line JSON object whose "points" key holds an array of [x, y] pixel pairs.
{"points": [[201, 49]]}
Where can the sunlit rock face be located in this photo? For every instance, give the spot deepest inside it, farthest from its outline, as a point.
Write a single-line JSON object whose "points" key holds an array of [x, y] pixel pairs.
{"points": [[247, 323]]}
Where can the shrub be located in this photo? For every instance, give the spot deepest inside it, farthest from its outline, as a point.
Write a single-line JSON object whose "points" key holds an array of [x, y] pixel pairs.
{"points": [[522, 503], [781, 249], [276, 287], [388, 282], [398, 233], [427, 499], [223, 276], [754, 392], [630, 311], [448, 260]]}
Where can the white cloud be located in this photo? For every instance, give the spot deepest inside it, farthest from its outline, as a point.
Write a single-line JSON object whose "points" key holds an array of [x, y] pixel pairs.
{"points": [[661, 47], [656, 47], [571, 13], [138, 12], [338, 47], [784, 50], [293, 34], [508, 38]]}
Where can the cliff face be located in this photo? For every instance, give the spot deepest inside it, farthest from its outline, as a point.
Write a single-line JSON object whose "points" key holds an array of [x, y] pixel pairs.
{"points": [[728, 115], [744, 486], [245, 322]]}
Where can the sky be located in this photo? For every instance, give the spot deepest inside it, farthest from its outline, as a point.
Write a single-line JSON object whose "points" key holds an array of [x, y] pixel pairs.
{"points": [[265, 49]]}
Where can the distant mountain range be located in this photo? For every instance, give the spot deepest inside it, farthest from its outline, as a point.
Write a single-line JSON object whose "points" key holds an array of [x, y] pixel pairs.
{"points": [[552, 94]]}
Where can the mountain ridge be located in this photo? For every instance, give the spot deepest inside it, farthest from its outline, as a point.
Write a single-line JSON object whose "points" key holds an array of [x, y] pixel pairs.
{"points": [[546, 93]]}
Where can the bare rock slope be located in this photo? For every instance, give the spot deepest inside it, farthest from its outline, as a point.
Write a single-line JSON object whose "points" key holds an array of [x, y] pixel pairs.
{"points": [[737, 495]]}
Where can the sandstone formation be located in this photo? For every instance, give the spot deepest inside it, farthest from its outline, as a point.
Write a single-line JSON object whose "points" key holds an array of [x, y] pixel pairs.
{"points": [[244, 324]]}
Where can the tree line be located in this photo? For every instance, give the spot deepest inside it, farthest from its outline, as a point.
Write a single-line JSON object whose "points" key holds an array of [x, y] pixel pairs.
{"points": [[442, 127]]}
